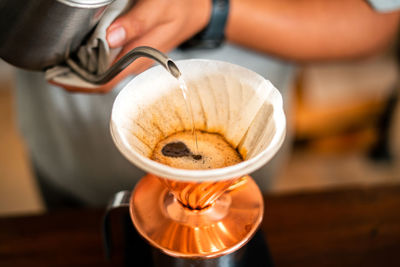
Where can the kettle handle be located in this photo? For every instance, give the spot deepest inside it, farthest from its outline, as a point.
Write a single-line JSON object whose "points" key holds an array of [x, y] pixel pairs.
{"points": [[118, 204], [125, 61]]}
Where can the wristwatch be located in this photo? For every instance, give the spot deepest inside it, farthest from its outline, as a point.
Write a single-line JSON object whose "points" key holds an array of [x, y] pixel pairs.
{"points": [[213, 35]]}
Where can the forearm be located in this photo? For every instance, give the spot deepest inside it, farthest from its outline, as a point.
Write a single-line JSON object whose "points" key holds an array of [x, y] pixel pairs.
{"points": [[304, 30]]}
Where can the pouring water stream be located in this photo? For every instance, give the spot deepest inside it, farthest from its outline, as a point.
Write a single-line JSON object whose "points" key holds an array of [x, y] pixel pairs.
{"points": [[188, 103]]}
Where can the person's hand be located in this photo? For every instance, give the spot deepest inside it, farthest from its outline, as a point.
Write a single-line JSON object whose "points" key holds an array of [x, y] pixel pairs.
{"points": [[162, 24]]}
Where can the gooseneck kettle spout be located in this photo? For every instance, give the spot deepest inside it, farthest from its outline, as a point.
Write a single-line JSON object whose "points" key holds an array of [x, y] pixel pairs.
{"points": [[141, 51]]}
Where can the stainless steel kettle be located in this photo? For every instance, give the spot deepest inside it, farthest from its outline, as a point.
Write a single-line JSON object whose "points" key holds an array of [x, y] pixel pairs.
{"points": [[39, 34]]}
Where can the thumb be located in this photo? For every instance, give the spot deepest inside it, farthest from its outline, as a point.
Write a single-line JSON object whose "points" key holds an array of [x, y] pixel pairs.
{"points": [[139, 20]]}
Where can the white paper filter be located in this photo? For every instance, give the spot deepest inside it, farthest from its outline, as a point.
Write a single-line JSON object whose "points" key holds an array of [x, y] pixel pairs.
{"points": [[228, 99]]}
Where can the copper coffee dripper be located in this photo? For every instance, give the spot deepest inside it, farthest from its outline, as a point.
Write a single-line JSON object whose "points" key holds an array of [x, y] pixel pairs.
{"points": [[198, 213]]}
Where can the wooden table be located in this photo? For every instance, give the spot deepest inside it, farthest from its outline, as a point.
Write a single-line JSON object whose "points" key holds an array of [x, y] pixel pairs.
{"points": [[342, 227]]}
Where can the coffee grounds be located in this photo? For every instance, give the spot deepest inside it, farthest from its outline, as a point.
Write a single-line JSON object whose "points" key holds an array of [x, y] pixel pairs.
{"points": [[177, 150]]}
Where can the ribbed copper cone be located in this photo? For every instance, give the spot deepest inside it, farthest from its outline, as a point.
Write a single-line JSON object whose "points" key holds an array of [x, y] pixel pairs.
{"points": [[197, 196], [204, 222]]}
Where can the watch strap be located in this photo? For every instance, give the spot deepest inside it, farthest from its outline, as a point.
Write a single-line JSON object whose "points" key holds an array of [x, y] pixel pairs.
{"points": [[213, 35]]}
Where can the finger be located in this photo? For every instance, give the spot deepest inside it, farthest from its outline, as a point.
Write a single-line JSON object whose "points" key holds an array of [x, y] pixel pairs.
{"points": [[142, 17]]}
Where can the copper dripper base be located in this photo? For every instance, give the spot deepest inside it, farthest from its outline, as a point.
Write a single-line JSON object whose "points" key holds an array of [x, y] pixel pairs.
{"points": [[217, 230]]}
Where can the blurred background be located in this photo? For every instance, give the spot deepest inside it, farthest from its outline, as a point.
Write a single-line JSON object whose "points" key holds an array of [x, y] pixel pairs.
{"points": [[346, 118]]}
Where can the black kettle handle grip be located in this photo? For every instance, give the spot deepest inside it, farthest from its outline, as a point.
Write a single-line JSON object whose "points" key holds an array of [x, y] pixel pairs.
{"points": [[119, 205], [125, 61]]}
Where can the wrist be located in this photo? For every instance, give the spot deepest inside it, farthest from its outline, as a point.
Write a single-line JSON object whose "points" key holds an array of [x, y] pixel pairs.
{"points": [[212, 34], [204, 8]]}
